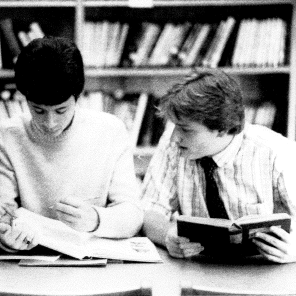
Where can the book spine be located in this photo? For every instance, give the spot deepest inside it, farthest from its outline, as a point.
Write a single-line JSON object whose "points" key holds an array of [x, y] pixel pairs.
{"points": [[6, 27]]}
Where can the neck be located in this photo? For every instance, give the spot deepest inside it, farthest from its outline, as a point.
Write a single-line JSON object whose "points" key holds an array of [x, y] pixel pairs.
{"points": [[224, 141]]}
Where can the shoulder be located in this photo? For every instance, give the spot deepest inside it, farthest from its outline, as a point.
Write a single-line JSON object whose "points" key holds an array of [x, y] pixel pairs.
{"points": [[100, 120], [268, 141], [13, 127]]}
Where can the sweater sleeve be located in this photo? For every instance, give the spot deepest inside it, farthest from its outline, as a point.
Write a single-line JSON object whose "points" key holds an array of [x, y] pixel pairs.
{"points": [[8, 188], [123, 216]]}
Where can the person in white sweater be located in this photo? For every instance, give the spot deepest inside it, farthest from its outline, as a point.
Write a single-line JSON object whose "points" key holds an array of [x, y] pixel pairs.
{"points": [[64, 162]]}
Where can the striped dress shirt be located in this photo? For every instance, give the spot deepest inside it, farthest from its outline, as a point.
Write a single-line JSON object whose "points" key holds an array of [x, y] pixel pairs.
{"points": [[256, 174]]}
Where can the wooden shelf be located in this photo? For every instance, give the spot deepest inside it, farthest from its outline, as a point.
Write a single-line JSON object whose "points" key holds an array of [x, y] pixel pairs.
{"points": [[183, 3], [142, 72], [38, 3]]}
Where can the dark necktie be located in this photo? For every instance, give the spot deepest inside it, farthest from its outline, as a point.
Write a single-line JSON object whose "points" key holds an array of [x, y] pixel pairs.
{"points": [[214, 203]]}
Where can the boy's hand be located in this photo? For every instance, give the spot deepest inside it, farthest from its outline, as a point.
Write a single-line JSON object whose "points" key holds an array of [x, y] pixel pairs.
{"points": [[17, 236], [279, 247], [181, 247], [7, 212], [77, 214]]}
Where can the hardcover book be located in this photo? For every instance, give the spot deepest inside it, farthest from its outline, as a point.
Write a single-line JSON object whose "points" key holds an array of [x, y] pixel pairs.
{"points": [[223, 233]]}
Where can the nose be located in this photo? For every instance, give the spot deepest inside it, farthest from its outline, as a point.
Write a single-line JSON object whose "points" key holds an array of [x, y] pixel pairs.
{"points": [[176, 137], [50, 120]]}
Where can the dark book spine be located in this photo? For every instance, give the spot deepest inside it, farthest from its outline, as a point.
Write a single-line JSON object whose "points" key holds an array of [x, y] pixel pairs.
{"points": [[9, 37]]}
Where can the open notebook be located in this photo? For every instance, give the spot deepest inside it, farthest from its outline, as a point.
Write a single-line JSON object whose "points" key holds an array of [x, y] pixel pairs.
{"points": [[58, 236]]}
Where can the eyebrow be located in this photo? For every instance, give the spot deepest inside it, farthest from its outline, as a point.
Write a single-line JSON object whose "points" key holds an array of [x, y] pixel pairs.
{"points": [[182, 124], [59, 108]]}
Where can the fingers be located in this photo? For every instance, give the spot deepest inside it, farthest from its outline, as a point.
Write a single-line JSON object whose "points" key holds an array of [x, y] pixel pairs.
{"points": [[4, 227], [191, 249], [70, 202], [277, 247], [271, 243], [66, 210], [18, 236]]}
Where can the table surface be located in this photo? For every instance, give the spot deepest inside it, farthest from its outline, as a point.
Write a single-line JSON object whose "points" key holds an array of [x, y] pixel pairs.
{"points": [[165, 278]]}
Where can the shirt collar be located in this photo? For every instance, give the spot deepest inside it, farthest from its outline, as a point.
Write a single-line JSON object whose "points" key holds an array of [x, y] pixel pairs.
{"points": [[228, 154]]}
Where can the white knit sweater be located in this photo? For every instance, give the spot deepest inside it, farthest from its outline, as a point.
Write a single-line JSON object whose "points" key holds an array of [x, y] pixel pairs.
{"points": [[91, 159]]}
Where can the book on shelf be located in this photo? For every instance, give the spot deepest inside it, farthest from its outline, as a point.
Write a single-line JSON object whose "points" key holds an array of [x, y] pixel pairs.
{"points": [[119, 47], [24, 38], [176, 48], [188, 42], [145, 43], [89, 50], [153, 126], [9, 39], [220, 233], [218, 44], [213, 45], [130, 108], [35, 31], [55, 235], [158, 55], [201, 37], [113, 37], [134, 35], [103, 43], [180, 32]]}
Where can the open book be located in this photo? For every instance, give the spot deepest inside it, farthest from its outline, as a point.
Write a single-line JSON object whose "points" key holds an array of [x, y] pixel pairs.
{"points": [[57, 236], [222, 232]]}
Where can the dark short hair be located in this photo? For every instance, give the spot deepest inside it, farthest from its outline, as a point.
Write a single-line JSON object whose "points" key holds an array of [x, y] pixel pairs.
{"points": [[210, 97], [49, 71]]}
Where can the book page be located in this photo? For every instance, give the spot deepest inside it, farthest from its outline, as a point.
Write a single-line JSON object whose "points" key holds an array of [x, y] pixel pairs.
{"points": [[58, 236], [54, 234], [139, 249]]}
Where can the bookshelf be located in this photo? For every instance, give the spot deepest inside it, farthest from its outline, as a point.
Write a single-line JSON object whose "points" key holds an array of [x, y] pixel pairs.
{"points": [[260, 83]]}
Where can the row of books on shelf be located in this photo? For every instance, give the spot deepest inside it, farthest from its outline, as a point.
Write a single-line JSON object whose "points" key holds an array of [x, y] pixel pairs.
{"points": [[248, 42], [231, 42]]}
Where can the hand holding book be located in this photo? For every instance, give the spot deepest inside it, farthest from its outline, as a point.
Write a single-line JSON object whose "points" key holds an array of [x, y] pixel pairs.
{"points": [[219, 235]]}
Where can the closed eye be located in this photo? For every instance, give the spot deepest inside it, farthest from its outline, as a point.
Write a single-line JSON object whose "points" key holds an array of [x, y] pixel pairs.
{"points": [[38, 111], [61, 111]]}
